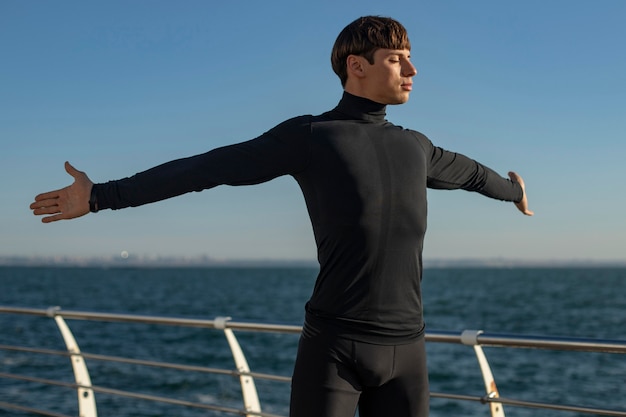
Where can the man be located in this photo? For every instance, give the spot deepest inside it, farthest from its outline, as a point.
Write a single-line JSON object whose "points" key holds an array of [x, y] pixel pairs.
{"points": [[364, 181]]}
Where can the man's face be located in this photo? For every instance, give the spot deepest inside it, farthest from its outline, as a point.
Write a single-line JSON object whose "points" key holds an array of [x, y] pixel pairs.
{"points": [[389, 79]]}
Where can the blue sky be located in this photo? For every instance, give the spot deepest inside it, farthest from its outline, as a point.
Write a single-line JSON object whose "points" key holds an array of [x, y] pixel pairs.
{"points": [[117, 87]]}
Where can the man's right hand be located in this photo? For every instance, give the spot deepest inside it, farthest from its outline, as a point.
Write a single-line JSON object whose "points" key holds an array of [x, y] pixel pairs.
{"points": [[66, 203]]}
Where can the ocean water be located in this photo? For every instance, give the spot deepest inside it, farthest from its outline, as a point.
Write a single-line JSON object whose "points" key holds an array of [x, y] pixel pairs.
{"points": [[575, 302]]}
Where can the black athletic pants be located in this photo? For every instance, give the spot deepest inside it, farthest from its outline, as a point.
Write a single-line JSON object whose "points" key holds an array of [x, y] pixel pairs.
{"points": [[333, 376]]}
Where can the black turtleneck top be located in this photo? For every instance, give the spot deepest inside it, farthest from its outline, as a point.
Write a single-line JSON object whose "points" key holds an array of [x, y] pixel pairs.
{"points": [[364, 181]]}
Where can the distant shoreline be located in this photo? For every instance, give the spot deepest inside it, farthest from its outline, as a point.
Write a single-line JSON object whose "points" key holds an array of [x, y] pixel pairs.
{"points": [[206, 262]]}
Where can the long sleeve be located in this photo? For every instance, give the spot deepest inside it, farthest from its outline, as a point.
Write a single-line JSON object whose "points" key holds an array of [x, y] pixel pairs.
{"points": [[277, 152], [449, 170]]}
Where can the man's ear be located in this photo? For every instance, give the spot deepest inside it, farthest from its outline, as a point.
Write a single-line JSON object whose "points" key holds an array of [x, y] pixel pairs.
{"points": [[355, 65]]}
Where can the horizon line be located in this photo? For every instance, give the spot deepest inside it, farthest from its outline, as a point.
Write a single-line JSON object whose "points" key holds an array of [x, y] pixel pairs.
{"points": [[206, 261]]}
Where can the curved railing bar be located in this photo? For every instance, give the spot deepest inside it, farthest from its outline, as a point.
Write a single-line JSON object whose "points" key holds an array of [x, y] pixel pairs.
{"points": [[496, 408], [248, 387], [86, 398]]}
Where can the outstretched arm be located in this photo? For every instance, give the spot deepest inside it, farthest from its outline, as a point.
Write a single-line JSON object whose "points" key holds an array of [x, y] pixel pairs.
{"points": [[66, 203], [522, 205]]}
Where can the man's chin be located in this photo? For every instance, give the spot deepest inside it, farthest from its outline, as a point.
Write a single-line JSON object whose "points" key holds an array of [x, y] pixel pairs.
{"points": [[399, 100]]}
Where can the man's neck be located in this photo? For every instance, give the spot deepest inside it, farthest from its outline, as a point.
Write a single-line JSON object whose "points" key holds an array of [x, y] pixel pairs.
{"points": [[359, 92]]}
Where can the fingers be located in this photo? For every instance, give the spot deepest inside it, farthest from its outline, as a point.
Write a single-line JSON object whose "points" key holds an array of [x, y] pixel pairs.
{"points": [[55, 208], [47, 203], [45, 199], [48, 208], [523, 204], [525, 210], [514, 176], [80, 178], [69, 168], [54, 218]]}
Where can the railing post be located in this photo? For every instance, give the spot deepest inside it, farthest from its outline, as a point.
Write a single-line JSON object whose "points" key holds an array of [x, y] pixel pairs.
{"points": [[248, 388], [470, 338], [86, 397]]}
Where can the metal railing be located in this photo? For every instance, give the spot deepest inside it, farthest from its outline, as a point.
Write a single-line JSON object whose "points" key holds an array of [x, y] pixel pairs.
{"points": [[86, 391]]}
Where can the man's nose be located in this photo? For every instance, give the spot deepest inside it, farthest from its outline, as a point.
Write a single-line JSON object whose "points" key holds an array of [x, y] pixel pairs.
{"points": [[408, 70]]}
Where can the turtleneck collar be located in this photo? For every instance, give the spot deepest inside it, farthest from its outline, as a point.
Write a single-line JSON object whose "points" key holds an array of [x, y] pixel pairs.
{"points": [[361, 108]]}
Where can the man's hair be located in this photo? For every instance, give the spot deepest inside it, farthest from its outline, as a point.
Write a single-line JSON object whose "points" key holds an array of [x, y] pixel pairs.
{"points": [[363, 37]]}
